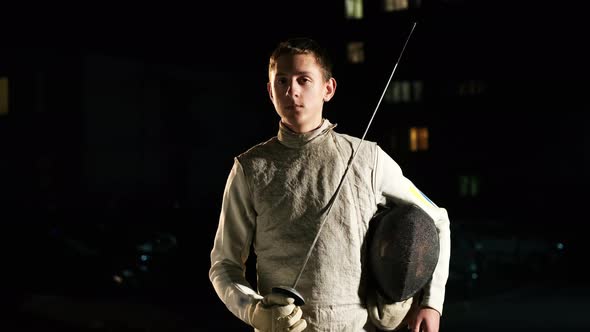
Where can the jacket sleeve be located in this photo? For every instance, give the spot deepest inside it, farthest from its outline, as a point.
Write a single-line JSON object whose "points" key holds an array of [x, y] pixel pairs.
{"points": [[232, 246], [391, 184]]}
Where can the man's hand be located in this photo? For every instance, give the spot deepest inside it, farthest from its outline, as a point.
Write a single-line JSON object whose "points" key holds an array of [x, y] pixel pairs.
{"points": [[277, 313], [424, 319]]}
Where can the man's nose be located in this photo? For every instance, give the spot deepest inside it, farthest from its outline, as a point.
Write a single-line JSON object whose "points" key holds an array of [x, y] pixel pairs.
{"points": [[292, 89]]}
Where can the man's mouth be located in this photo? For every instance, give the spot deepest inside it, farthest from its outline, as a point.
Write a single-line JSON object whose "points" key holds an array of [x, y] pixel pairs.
{"points": [[294, 106]]}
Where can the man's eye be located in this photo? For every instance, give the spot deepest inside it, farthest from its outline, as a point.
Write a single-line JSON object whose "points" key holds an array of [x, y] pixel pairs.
{"points": [[281, 80]]}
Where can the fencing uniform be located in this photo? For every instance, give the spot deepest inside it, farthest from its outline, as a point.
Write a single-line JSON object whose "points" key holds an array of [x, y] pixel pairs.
{"points": [[276, 196]]}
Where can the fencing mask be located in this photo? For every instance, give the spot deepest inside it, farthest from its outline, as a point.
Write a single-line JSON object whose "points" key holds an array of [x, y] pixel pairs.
{"points": [[403, 251]]}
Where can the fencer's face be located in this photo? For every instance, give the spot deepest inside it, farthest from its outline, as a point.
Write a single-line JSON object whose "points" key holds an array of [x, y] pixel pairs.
{"points": [[298, 91]]}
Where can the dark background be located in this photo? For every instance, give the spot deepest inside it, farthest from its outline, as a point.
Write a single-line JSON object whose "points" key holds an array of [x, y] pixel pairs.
{"points": [[124, 120]]}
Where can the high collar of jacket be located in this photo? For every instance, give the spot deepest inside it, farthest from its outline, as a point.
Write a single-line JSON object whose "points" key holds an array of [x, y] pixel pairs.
{"points": [[292, 139]]}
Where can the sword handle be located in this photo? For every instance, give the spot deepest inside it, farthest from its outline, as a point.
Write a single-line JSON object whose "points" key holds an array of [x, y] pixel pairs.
{"points": [[289, 292]]}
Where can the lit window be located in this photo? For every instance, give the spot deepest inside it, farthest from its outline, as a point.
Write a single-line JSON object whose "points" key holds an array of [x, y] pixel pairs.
{"points": [[471, 88], [418, 139], [404, 92], [354, 8], [356, 52], [468, 185], [417, 91], [393, 5], [3, 95]]}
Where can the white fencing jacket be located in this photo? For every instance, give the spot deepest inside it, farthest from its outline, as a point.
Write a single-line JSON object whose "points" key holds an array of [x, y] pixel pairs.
{"points": [[276, 197]]}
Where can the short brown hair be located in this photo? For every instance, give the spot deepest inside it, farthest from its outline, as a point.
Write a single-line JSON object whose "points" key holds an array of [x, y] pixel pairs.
{"points": [[302, 45]]}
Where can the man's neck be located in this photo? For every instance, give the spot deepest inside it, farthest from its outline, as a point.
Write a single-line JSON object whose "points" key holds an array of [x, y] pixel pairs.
{"points": [[302, 130]]}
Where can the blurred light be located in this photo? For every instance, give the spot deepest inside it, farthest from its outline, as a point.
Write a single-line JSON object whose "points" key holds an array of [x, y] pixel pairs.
{"points": [[354, 9], [478, 246], [474, 276], [560, 246], [472, 267], [117, 279], [418, 139], [405, 92], [472, 88], [356, 52], [127, 273], [393, 5], [417, 88], [398, 92], [468, 185], [144, 258], [146, 247]]}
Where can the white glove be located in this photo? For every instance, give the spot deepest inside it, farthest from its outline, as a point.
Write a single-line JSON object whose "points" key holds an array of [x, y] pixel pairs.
{"points": [[277, 313], [385, 315]]}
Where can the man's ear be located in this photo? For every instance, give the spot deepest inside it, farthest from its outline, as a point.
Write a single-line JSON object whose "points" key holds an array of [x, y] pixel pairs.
{"points": [[330, 89], [269, 89]]}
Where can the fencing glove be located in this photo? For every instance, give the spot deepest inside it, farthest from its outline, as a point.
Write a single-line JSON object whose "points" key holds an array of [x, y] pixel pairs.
{"points": [[386, 315], [277, 313]]}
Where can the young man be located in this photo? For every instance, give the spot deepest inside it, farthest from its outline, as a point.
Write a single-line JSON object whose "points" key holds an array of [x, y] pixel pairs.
{"points": [[276, 197]]}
